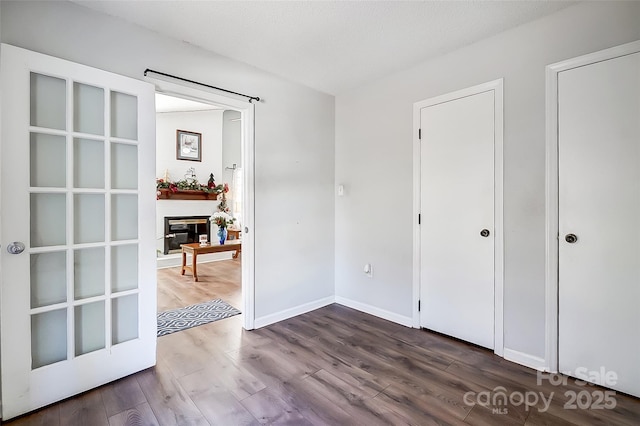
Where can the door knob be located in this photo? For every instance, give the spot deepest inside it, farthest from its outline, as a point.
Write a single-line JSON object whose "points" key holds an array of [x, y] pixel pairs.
{"points": [[485, 233], [571, 238], [15, 247], [246, 230]]}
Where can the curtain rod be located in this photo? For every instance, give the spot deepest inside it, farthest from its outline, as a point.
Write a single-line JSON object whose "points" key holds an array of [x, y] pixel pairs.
{"points": [[251, 98]]}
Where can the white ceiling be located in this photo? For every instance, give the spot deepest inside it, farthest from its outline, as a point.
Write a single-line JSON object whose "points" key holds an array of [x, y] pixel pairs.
{"points": [[331, 46], [165, 103]]}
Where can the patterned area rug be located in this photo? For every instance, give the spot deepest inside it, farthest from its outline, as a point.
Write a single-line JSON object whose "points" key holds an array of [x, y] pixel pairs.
{"points": [[193, 316]]}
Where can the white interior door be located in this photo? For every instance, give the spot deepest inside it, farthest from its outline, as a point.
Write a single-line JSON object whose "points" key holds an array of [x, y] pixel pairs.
{"points": [[78, 304], [599, 203], [457, 217]]}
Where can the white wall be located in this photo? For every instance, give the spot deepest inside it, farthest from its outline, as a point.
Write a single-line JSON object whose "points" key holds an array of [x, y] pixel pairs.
{"points": [[374, 133], [209, 123], [294, 137], [232, 155], [231, 144]]}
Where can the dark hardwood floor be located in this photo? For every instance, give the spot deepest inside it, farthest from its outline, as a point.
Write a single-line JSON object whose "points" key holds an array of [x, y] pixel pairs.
{"points": [[332, 366]]}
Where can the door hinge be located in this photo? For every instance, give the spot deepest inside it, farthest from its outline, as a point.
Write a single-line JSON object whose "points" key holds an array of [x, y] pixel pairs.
{"points": [[418, 306], [420, 134], [419, 218]]}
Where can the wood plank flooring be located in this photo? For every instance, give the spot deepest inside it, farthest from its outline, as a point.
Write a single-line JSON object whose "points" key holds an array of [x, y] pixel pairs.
{"points": [[332, 366]]}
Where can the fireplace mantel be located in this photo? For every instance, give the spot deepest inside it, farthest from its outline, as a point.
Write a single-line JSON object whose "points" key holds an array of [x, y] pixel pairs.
{"points": [[185, 194]]}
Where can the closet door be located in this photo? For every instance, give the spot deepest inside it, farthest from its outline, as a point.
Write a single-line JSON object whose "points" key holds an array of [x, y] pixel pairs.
{"points": [[599, 221], [457, 217]]}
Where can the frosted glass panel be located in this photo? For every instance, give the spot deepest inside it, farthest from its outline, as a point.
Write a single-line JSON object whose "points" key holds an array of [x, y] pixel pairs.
{"points": [[88, 109], [48, 278], [124, 217], [48, 220], [48, 338], [89, 330], [88, 266], [48, 160], [48, 101], [124, 116], [88, 218], [88, 163], [124, 267], [124, 166], [124, 319]]}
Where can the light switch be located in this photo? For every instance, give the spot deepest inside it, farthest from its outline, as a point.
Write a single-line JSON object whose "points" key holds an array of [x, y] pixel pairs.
{"points": [[368, 270]]}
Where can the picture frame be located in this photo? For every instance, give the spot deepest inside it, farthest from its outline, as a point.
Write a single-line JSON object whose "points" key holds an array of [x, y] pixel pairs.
{"points": [[188, 145]]}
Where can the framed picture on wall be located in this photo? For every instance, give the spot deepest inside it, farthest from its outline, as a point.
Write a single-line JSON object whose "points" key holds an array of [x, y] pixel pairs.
{"points": [[188, 145]]}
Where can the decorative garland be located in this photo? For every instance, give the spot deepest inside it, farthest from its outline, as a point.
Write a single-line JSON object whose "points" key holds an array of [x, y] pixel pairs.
{"points": [[188, 185], [223, 207]]}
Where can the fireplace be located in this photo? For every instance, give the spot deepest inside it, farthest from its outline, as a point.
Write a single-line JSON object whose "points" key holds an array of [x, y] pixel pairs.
{"points": [[183, 230]]}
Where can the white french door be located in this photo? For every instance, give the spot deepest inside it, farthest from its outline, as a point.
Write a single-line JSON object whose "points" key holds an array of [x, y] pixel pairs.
{"points": [[459, 233], [599, 219], [78, 304]]}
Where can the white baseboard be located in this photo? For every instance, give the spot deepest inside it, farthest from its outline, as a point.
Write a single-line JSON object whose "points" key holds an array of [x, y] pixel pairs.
{"points": [[292, 312], [174, 260], [525, 359], [372, 310]]}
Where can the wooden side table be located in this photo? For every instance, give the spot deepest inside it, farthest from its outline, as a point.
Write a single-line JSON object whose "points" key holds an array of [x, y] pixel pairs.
{"points": [[195, 249], [235, 233]]}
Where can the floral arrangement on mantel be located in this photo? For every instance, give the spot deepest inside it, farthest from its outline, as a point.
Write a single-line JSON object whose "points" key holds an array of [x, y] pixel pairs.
{"points": [[189, 185]]}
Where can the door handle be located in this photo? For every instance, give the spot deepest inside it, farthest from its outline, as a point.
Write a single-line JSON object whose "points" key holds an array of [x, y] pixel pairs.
{"points": [[15, 247], [485, 233], [571, 238]]}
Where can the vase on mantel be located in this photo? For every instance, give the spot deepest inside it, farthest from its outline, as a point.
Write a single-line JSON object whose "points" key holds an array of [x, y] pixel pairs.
{"points": [[222, 234]]}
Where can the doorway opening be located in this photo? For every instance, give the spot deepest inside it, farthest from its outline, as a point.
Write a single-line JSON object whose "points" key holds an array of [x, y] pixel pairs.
{"points": [[220, 162]]}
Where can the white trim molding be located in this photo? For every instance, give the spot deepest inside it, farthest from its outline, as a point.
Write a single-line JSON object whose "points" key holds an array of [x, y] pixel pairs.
{"points": [[525, 359], [415, 222], [247, 111], [292, 312], [552, 190], [497, 87], [375, 311]]}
